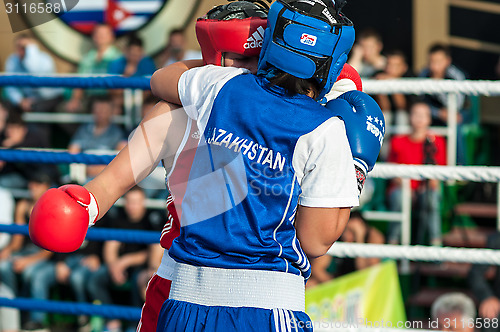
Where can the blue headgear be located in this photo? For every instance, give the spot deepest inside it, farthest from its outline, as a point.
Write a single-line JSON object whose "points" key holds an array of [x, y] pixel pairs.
{"points": [[307, 39]]}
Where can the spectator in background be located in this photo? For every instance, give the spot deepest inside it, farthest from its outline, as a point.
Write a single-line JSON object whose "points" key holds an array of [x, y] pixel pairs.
{"points": [[487, 292], [101, 134], [324, 268], [123, 261], [176, 49], [96, 61], [72, 269], [133, 64], [454, 312], [29, 59], [395, 106], [23, 257], [419, 147], [366, 55], [439, 66], [18, 134]]}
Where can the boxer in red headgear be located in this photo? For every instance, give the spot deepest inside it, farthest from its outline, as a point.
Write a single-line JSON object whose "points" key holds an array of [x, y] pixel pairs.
{"points": [[223, 34]]}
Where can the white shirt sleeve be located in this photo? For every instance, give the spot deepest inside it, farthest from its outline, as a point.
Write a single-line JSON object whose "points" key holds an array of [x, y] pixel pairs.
{"points": [[324, 167], [198, 88]]}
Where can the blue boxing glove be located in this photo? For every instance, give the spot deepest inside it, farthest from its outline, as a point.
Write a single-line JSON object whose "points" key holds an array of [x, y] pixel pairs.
{"points": [[365, 129]]}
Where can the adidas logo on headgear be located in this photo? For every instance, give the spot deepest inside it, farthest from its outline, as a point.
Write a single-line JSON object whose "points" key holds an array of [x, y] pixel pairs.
{"points": [[255, 39]]}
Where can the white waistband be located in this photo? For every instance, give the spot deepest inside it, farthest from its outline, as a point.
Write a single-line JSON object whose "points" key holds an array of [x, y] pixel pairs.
{"points": [[237, 288], [167, 266]]}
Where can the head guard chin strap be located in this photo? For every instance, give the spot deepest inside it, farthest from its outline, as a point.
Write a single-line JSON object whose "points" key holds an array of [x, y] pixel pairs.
{"points": [[307, 39], [237, 27]]}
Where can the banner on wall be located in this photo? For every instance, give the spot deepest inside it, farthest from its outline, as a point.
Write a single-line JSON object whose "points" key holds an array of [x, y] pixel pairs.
{"points": [[370, 297], [65, 26]]}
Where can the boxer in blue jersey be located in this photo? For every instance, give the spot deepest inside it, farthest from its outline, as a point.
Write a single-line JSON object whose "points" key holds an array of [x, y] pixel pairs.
{"points": [[272, 181], [274, 178]]}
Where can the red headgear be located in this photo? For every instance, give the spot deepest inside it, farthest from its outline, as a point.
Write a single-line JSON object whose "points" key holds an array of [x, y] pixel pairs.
{"points": [[237, 35]]}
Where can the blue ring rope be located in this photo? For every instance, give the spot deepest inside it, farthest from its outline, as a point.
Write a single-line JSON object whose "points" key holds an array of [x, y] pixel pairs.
{"points": [[87, 82], [51, 157], [73, 308], [100, 82], [100, 234]]}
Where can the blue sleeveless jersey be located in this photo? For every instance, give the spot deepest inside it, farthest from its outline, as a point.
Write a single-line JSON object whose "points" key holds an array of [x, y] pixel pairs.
{"points": [[245, 182]]}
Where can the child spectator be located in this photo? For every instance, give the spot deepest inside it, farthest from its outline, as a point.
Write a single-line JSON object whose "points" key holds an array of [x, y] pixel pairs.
{"points": [[439, 66], [366, 54], [133, 64], [176, 49], [96, 61], [394, 105], [419, 147]]}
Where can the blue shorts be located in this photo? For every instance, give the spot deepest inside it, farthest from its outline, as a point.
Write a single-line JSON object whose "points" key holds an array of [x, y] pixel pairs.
{"points": [[184, 316]]}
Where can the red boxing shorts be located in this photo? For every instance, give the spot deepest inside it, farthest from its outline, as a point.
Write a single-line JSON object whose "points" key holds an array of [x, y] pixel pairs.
{"points": [[156, 293]]}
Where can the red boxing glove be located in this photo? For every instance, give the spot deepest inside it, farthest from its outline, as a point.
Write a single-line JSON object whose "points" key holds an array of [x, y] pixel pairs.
{"points": [[348, 80], [60, 218]]}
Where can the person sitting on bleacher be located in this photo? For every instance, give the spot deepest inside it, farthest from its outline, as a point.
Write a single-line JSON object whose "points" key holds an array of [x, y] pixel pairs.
{"points": [[417, 148], [29, 59], [18, 134], [123, 261], [23, 257], [95, 61], [73, 269], [101, 135], [440, 66], [394, 106], [484, 280], [135, 63]]}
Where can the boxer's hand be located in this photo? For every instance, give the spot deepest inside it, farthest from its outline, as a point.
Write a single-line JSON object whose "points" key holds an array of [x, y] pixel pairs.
{"points": [[348, 80], [60, 218]]}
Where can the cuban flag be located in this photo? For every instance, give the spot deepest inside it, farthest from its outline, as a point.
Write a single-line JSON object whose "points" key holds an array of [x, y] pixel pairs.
{"points": [[123, 15]]}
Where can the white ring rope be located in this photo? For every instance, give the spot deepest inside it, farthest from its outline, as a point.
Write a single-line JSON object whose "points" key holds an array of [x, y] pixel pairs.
{"points": [[443, 173], [431, 86], [416, 253]]}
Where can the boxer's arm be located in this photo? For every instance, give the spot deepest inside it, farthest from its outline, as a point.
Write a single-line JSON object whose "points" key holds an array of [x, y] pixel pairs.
{"points": [[318, 228], [164, 82], [159, 135]]}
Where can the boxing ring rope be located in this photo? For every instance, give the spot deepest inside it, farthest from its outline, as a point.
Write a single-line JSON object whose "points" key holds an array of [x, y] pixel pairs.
{"points": [[339, 249], [73, 308], [100, 234], [381, 170], [76, 81], [431, 86], [385, 171], [405, 86]]}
